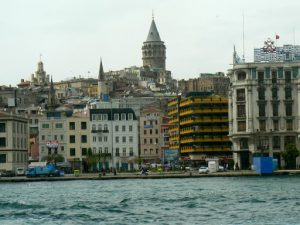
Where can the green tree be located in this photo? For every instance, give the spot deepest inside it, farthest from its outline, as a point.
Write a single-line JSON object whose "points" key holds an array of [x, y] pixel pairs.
{"points": [[289, 155], [54, 158], [91, 159]]}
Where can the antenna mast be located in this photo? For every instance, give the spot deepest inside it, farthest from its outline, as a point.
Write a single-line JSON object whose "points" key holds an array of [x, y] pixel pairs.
{"points": [[243, 38]]}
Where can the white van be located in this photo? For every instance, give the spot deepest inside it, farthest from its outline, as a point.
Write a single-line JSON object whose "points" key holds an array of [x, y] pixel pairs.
{"points": [[20, 171]]}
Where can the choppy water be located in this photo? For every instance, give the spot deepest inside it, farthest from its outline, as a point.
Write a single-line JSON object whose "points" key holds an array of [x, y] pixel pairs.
{"points": [[243, 200]]}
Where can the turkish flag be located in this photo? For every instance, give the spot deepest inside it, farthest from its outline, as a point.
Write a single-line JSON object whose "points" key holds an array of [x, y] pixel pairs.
{"points": [[277, 36]]}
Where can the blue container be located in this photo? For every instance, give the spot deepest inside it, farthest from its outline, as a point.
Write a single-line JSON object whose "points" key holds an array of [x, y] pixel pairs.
{"points": [[263, 165]]}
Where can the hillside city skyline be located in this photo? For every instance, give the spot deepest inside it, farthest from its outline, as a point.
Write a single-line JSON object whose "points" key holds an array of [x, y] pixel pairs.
{"points": [[71, 40]]}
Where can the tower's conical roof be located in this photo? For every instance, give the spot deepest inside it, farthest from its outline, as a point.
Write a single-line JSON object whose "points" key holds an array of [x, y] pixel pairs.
{"points": [[153, 34], [101, 72]]}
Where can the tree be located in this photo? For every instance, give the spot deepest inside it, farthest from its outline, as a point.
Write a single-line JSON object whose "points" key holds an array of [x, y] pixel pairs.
{"points": [[91, 159], [289, 155], [54, 158]]}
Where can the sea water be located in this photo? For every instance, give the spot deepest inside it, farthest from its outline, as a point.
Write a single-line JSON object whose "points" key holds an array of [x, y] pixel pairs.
{"points": [[227, 200]]}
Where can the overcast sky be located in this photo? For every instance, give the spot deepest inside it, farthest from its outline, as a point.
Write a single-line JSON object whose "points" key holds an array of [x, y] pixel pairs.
{"points": [[72, 35]]}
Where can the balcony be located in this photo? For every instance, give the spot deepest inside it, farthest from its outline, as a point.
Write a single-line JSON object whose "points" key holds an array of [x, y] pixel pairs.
{"points": [[198, 111], [203, 100], [204, 120], [191, 149], [172, 102], [204, 130], [100, 131], [174, 120], [172, 112], [203, 139], [174, 138]]}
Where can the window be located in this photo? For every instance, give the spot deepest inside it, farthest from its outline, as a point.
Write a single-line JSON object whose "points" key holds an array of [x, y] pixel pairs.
{"points": [[72, 138], [240, 95], [116, 116], [262, 125], [261, 93], [43, 137], [83, 139], [58, 125], [99, 138], [84, 151], [105, 138], [274, 93], [72, 125], [241, 125], [106, 150], [145, 123], [105, 117], [62, 148], [100, 150], [275, 109], [241, 75], [145, 141], [145, 131], [288, 93], [151, 141], [83, 126], [2, 158], [130, 128], [260, 75], [150, 131], [99, 127], [289, 124], [156, 141], [289, 140], [261, 110], [275, 125], [287, 75], [145, 151], [105, 127], [45, 125], [244, 143], [117, 139], [130, 139], [130, 151], [288, 109], [61, 137], [3, 142], [276, 142], [94, 138], [124, 139], [274, 77], [117, 152], [94, 127], [124, 151], [55, 137], [241, 111], [116, 128], [130, 116], [123, 116], [72, 151], [156, 130], [2, 127], [123, 128]]}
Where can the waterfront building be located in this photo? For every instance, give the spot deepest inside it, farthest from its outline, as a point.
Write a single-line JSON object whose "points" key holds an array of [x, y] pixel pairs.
{"points": [[52, 135], [199, 126], [14, 141], [150, 134], [114, 133], [263, 109], [77, 133], [217, 83]]}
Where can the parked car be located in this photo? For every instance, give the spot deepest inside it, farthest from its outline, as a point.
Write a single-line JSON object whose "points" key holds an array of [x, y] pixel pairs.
{"points": [[8, 173], [20, 171], [221, 168], [203, 169]]}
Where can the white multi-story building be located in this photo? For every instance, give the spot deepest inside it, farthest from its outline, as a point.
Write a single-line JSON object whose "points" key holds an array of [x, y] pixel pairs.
{"points": [[263, 109], [114, 131], [14, 139]]}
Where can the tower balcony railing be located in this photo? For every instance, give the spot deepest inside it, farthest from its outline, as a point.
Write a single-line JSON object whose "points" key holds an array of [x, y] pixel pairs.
{"points": [[203, 100], [203, 129], [174, 138], [174, 146], [174, 129]]}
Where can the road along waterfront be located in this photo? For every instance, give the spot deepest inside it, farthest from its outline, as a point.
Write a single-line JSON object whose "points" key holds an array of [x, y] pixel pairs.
{"points": [[218, 200]]}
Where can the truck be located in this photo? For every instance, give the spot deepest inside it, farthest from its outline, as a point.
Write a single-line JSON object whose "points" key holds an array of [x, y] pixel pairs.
{"points": [[42, 169]]}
